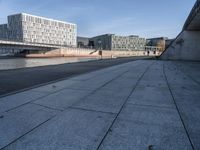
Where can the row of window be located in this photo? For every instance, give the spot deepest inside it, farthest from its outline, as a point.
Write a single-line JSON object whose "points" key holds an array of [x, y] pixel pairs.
{"points": [[49, 34], [130, 43], [32, 24], [60, 31], [47, 37], [129, 39], [46, 41], [39, 20], [128, 47]]}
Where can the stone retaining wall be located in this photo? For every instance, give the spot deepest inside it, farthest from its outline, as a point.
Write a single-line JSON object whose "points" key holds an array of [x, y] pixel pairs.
{"points": [[78, 52]]}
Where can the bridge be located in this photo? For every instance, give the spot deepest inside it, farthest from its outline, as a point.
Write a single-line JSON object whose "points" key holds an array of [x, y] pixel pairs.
{"points": [[17, 47], [186, 45], [193, 21]]}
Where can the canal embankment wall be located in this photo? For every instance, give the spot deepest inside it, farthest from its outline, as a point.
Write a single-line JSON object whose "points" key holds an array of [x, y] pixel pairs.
{"points": [[80, 52]]}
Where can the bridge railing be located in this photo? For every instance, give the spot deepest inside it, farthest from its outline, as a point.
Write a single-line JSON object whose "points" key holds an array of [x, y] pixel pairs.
{"points": [[26, 44], [192, 14]]}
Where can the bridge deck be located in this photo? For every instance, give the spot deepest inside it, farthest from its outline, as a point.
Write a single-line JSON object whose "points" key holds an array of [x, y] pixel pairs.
{"points": [[193, 20], [4, 42]]}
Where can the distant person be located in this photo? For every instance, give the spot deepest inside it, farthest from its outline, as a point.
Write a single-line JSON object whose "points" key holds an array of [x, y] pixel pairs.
{"points": [[100, 54], [148, 53]]}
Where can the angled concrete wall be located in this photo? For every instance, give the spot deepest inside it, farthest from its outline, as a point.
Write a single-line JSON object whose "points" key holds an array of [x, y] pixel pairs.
{"points": [[185, 47]]}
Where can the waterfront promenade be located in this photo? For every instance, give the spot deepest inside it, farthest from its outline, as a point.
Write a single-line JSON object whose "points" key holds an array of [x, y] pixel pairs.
{"points": [[139, 105], [19, 79]]}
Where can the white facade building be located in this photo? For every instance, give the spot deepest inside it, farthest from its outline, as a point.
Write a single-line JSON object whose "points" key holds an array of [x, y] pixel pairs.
{"points": [[33, 29], [115, 42]]}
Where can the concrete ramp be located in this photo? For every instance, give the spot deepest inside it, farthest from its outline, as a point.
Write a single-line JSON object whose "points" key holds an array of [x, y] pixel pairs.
{"points": [[187, 44]]}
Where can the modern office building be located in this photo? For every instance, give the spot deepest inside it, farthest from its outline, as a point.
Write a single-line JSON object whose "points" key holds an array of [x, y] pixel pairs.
{"points": [[158, 42], [33, 29], [3, 31], [82, 42], [114, 42]]}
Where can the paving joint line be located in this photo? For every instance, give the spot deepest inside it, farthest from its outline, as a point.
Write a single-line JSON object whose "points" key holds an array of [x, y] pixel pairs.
{"points": [[91, 110], [90, 93], [61, 79], [52, 116], [179, 113], [133, 89], [188, 75], [56, 114], [31, 101], [47, 107], [151, 106], [27, 133], [100, 87]]}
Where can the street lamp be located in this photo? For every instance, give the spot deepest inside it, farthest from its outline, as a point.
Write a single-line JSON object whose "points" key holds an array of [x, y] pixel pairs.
{"points": [[100, 44]]}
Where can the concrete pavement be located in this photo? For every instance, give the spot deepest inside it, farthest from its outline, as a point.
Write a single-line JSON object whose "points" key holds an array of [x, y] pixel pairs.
{"points": [[19, 79], [140, 105]]}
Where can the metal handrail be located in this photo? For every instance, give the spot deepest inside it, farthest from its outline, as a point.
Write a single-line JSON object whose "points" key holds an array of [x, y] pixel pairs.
{"points": [[192, 14], [25, 44]]}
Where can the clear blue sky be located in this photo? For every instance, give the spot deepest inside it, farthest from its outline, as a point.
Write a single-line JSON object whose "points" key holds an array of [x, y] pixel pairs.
{"points": [[146, 18]]}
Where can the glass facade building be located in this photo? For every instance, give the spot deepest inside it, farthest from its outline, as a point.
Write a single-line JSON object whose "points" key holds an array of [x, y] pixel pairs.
{"points": [[115, 42], [34, 29]]}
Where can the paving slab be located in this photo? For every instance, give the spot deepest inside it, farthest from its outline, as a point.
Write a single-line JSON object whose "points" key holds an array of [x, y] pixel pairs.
{"points": [[148, 118], [96, 82], [18, 122], [132, 74], [190, 68], [89, 76], [152, 96], [18, 99], [128, 106], [91, 85], [151, 115], [63, 99], [154, 77], [104, 101], [186, 93], [73, 130], [98, 73], [124, 83], [55, 87], [117, 86], [128, 135], [112, 96], [138, 127], [176, 77]]}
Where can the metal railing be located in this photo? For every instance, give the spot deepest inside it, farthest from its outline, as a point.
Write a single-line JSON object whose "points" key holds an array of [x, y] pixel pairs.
{"points": [[192, 14], [26, 44]]}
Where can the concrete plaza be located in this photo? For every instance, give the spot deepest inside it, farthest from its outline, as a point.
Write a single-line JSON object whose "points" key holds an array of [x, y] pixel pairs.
{"points": [[139, 105]]}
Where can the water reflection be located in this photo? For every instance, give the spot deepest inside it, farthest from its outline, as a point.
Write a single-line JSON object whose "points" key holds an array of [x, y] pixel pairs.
{"points": [[15, 63]]}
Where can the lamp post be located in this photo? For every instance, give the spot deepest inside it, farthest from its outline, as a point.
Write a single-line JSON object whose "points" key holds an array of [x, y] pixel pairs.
{"points": [[100, 48]]}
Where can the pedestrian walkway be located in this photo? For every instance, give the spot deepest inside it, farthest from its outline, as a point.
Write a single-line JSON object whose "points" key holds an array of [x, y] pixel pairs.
{"points": [[140, 105]]}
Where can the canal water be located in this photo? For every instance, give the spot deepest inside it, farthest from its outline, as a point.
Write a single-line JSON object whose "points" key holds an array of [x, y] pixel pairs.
{"points": [[15, 63]]}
